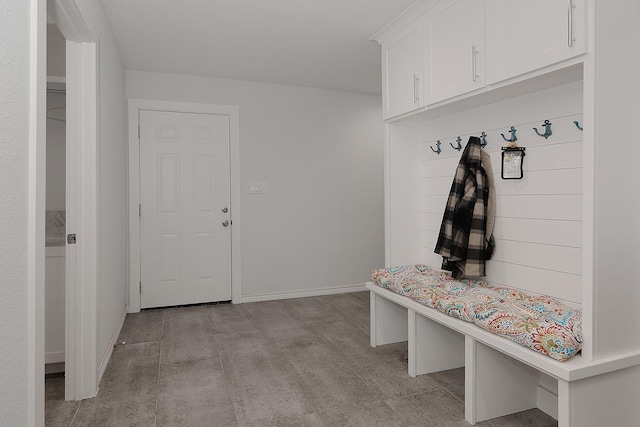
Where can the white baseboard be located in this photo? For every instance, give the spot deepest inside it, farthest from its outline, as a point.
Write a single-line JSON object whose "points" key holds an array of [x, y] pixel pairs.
{"points": [[54, 368], [547, 402], [54, 357], [112, 343], [303, 293]]}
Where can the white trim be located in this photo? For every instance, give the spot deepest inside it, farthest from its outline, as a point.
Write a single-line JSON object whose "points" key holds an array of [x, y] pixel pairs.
{"points": [[56, 80], [387, 193], [134, 106], [82, 218], [54, 357], [574, 369], [272, 296], [36, 212], [82, 205], [112, 343], [589, 148], [547, 402], [67, 16]]}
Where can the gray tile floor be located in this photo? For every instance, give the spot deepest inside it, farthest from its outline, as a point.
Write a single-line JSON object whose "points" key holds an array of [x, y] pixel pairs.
{"points": [[298, 362]]}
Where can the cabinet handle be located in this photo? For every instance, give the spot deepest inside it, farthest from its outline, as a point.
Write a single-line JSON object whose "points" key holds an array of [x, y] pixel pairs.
{"points": [[416, 85], [570, 38], [474, 66]]}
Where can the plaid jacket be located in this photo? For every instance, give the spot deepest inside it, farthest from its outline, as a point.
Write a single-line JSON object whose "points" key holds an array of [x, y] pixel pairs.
{"points": [[466, 233]]}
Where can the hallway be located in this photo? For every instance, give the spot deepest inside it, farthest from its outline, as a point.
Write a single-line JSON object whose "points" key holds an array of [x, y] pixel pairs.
{"points": [[303, 362]]}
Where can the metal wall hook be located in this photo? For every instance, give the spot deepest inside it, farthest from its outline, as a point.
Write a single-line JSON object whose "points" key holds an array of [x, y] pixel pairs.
{"points": [[513, 137], [459, 147], [547, 129], [575, 122], [483, 139], [437, 145]]}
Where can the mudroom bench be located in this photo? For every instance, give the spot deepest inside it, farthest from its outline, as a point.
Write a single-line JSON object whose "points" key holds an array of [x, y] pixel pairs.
{"points": [[501, 376]]}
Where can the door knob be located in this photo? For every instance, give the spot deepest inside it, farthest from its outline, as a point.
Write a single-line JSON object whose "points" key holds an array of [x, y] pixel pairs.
{"points": [[225, 210], [225, 223]]}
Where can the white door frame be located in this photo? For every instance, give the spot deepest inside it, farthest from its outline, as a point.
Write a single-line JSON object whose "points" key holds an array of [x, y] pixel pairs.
{"points": [[135, 105], [36, 213], [82, 194]]}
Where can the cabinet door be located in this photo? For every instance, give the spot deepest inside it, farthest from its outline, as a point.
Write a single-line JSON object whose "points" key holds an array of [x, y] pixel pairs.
{"points": [[525, 35], [454, 49], [402, 72]]}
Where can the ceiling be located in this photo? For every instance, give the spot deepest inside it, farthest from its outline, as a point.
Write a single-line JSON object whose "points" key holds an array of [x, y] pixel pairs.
{"points": [[317, 43]]}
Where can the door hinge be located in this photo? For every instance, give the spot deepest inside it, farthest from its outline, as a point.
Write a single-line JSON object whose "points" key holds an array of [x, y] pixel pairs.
{"points": [[139, 210], [140, 287]]}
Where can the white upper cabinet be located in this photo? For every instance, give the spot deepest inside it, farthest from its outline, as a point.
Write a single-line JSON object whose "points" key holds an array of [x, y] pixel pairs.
{"points": [[525, 35], [454, 49], [402, 72], [440, 51]]}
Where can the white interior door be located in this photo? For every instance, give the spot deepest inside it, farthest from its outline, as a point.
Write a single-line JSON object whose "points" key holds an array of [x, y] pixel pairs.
{"points": [[185, 208]]}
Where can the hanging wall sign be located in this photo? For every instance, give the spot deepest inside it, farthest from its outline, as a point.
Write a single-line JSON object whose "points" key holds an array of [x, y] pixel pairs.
{"points": [[512, 160]]}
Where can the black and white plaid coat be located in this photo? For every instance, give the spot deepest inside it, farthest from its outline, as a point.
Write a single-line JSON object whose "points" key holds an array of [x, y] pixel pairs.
{"points": [[466, 239]]}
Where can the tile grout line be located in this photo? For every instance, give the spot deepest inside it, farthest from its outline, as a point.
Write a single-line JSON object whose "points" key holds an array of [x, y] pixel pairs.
{"points": [[328, 344], [335, 353], [155, 412], [287, 369], [381, 398], [75, 414], [224, 372]]}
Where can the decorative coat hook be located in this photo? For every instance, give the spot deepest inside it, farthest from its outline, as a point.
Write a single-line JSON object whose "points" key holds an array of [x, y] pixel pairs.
{"points": [[575, 122], [459, 147], [437, 145], [483, 139], [513, 137], [547, 129]]}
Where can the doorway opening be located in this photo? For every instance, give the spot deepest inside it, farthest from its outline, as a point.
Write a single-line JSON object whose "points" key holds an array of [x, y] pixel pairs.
{"points": [[79, 80], [55, 204]]}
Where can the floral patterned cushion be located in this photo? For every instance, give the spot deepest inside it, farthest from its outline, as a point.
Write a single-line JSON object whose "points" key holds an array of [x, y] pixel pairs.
{"points": [[538, 322]]}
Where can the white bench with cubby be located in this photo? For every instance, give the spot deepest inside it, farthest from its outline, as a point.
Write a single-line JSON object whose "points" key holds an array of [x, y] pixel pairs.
{"points": [[501, 377]]}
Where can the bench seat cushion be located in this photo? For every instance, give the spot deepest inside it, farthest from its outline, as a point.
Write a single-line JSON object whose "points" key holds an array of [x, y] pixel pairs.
{"points": [[538, 322]]}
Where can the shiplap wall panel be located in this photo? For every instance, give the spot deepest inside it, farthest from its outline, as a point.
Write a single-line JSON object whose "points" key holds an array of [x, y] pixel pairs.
{"points": [[547, 157], [543, 182], [543, 231], [547, 257], [431, 258], [433, 204], [430, 221], [435, 186], [565, 286], [556, 206], [538, 227], [434, 168]]}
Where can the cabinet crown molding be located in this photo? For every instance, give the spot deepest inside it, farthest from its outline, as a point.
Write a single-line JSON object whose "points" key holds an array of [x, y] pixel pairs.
{"points": [[410, 15]]}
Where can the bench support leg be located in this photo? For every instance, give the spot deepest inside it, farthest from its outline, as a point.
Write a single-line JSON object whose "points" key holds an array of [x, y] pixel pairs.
{"points": [[388, 321], [610, 399], [496, 384], [432, 346]]}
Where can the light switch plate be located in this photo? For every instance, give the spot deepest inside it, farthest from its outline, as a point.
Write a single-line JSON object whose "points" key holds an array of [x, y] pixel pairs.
{"points": [[258, 188]]}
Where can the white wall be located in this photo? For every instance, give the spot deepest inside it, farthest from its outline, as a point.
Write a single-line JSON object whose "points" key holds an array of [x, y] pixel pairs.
{"points": [[538, 226], [321, 224], [14, 179], [112, 181]]}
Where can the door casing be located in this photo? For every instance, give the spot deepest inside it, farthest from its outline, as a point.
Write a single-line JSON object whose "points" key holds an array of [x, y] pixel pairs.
{"points": [[134, 106], [82, 194]]}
